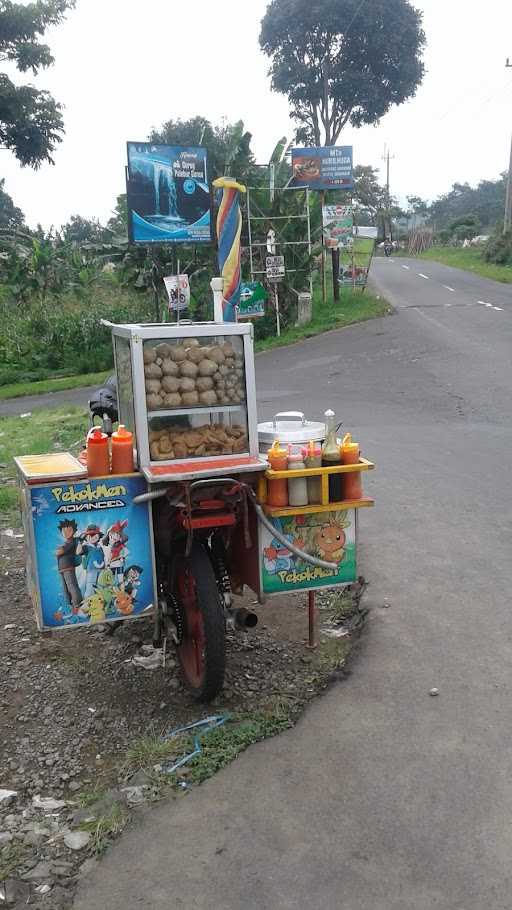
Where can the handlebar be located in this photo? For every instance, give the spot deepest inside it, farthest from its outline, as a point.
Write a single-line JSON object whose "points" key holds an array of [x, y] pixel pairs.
{"points": [[151, 495]]}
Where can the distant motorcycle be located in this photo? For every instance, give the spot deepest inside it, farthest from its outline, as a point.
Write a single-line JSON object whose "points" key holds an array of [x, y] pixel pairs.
{"points": [[388, 248]]}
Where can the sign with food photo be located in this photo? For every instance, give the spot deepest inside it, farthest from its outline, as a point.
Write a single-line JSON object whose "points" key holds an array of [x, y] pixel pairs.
{"points": [[320, 168]]}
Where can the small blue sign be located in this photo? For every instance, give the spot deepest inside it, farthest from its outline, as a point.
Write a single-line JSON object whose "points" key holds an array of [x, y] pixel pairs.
{"points": [[328, 168]]}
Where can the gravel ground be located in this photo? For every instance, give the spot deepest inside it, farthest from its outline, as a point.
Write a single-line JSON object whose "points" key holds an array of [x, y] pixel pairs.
{"points": [[72, 704]]}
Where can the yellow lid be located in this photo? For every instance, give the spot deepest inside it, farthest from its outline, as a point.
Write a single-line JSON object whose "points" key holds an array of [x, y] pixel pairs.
{"points": [[348, 445], [277, 449]]}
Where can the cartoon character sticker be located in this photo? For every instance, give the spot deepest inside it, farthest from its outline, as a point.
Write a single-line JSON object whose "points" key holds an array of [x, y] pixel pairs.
{"points": [[115, 549], [68, 558], [82, 570], [93, 558], [330, 539], [328, 536]]}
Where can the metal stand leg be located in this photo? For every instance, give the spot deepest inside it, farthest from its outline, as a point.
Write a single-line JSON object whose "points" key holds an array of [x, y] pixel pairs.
{"points": [[311, 620]]}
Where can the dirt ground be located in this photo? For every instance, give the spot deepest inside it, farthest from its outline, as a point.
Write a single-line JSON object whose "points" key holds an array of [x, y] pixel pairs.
{"points": [[73, 703]]}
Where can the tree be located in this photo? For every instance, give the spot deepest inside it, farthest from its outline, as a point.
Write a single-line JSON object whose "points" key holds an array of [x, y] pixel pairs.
{"points": [[31, 121], [229, 146], [368, 196], [79, 229], [117, 224], [487, 200], [11, 216], [342, 61]]}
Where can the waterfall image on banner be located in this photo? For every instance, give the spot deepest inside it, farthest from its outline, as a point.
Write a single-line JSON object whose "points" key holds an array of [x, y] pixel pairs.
{"points": [[168, 194]]}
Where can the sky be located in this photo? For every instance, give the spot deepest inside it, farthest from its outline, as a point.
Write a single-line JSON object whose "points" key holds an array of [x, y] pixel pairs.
{"points": [[124, 67]]}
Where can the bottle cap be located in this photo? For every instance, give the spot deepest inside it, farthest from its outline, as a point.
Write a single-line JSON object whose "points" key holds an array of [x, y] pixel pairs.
{"points": [[96, 436], [277, 449], [349, 444], [122, 433]]}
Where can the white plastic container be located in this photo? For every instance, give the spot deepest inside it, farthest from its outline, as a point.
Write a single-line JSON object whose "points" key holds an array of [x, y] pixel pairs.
{"points": [[297, 486]]}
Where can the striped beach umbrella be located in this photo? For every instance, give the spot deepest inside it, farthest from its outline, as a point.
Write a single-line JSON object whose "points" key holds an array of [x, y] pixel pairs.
{"points": [[229, 229]]}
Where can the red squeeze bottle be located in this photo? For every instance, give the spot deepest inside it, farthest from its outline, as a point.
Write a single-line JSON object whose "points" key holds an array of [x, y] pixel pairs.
{"points": [[277, 494], [98, 457], [122, 451]]}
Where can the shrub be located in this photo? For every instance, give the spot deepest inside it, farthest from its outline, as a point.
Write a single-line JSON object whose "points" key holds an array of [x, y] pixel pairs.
{"points": [[499, 248]]}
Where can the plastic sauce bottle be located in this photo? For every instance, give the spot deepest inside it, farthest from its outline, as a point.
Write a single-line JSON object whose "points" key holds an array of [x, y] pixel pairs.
{"points": [[98, 456], [297, 486], [331, 457], [122, 451], [352, 485], [277, 490], [312, 455]]}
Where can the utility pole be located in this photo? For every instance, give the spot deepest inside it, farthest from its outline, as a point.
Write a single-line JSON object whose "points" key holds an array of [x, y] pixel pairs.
{"points": [[507, 226], [387, 157]]}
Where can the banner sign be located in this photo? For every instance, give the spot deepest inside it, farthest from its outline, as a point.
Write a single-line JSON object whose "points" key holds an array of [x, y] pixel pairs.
{"points": [[338, 224], [168, 195], [252, 300], [91, 560], [355, 262], [327, 535], [178, 291], [275, 268], [327, 168]]}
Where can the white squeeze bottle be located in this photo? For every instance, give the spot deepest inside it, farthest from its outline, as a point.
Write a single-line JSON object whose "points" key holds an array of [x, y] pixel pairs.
{"points": [[297, 486]]}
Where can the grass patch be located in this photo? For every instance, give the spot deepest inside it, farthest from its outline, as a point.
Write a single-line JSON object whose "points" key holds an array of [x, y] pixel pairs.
{"points": [[223, 745], [354, 306], [49, 430], [21, 389], [11, 858], [9, 504], [104, 829], [470, 260], [152, 750]]}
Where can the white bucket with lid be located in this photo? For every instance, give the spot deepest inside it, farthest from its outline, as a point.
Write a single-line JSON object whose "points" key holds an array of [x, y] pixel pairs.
{"points": [[290, 428]]}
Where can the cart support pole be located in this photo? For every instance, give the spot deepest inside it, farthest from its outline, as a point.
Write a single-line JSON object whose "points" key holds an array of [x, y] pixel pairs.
{"points": [[311, 620], [217, 286]]}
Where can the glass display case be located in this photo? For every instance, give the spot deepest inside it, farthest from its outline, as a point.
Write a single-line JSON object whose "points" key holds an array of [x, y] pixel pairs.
{"points": [[188, 392]]}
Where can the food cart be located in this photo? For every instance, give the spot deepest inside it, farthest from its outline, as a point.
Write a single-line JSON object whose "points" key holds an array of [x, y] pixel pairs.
{"points": [[192, 526]]}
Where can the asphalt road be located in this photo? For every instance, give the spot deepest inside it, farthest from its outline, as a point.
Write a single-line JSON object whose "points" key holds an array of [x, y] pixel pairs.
{"points": [[28, 403], [382, 798]]}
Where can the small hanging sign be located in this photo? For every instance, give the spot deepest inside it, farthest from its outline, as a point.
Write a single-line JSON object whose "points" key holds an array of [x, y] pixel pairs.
{"points": [[178, 292]]}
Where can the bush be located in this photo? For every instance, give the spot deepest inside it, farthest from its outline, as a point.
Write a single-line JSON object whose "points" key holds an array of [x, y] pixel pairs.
{"points": [[64, 335], [499, 248]]}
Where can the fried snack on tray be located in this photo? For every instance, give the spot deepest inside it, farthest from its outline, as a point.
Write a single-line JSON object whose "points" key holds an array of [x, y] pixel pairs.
{"points": [[203, 441]]}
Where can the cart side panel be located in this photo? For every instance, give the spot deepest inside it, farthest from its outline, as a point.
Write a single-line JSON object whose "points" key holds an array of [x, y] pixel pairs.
{"points": [[330, 536], [31, 574], [86, 577]]}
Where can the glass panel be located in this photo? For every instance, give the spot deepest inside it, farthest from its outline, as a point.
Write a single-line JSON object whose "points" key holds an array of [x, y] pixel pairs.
{"points": [[124, 382], [196, 397]]}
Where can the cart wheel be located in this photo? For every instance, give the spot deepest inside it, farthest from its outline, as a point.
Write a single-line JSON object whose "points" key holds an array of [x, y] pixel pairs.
{"points": [[202, 651]]}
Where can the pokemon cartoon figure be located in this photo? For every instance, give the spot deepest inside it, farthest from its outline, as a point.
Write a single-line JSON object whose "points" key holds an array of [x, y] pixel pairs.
{"points": [[93, 559], [68, 558]]}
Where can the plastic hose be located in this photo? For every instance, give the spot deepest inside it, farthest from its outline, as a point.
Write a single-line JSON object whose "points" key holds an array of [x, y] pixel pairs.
{"points": [[332, 566]]}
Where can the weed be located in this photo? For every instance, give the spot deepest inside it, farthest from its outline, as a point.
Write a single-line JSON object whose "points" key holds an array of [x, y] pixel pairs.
{"points": [[151, 750], [332, 653], [90, 796], [222, 745], [9, 504], [341, 606], [106, 827], [11, 857]]}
